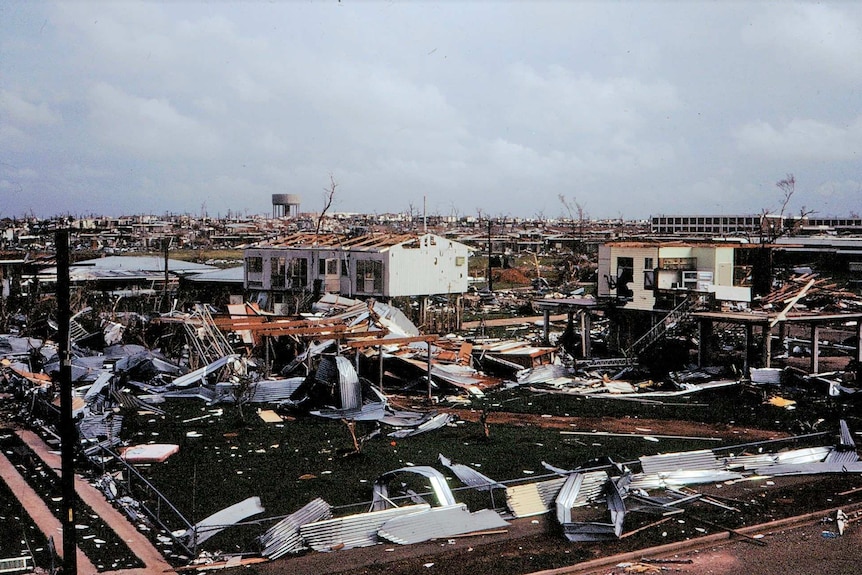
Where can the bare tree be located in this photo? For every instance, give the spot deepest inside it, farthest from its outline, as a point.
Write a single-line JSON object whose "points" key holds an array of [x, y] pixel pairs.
{"points": [[328, 197], [770, 230]]}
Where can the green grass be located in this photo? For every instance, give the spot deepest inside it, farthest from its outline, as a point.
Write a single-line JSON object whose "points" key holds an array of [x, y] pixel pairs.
{"points": [[287, 465]]}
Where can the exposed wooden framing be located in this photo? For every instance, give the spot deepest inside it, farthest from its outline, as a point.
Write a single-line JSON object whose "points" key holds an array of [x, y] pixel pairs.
{"points": [[361, 343]]}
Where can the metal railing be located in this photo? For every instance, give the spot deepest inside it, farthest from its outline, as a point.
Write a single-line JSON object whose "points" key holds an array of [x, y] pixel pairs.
{"points": [[676, 317]]}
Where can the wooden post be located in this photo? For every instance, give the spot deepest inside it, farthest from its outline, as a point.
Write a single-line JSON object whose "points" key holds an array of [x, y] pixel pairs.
{"points": [[746, 366], [429, 371], [815, 348], [380, 368], [586, 327], [67, 425], [767, 345], [546, 325]]}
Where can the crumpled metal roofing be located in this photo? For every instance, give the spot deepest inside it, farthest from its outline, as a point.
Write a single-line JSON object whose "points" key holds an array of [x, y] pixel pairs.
{"points": [[359, 530], [470, 476], [594, 531], [700, 459], [93, 426], [207, 394], [438, 483], [220, 520], [434, 422], [283, 537], [338, 370], [534, 498], [681, 477], [101, 383], [199, 375], [439, 522], [811, 468], [263, 391], [579, 490]]}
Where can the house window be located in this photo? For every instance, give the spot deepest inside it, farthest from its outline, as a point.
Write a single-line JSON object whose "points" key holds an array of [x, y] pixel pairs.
{"points": [[649, 274], [277, 269], [327, 267], [369, 276], [254, 265], [625, 276], [298, 272]]}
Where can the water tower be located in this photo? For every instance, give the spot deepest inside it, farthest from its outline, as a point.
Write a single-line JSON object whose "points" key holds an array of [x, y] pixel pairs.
{"points": [[285, 205]]}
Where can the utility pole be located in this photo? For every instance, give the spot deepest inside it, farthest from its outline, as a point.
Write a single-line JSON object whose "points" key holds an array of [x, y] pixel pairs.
{"points": [[67, 426], [490, 281], [166, 244]]}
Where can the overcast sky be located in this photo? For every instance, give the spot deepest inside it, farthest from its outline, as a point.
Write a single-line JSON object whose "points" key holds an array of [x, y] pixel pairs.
{"points": [[626, 108]]}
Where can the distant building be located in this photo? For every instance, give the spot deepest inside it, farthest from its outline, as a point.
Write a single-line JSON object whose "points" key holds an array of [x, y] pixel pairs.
{"points": [[771, 225], [705, 225], [379, 265]]}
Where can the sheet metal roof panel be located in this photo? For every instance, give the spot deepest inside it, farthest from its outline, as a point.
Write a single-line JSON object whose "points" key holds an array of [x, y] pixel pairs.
{"points": [[470, 476], [439, 522], [811, 468], [358, 530], [804, 455], [837, 456], [579, 490], [665, 479], [846, 440], [284, 537], [220, 520], [436, 422], [700, 459], [533, 498]]}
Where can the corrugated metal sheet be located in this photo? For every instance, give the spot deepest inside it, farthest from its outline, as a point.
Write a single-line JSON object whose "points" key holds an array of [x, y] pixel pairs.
{"points": [[579, 490], [837, 456], [220, 520], [200, 375], [205, 393], [264, 391], [811, 468], [101, 383], [700, 459], [804, 455], [439, 522], [470, 476], [368, 412], [748, 461], [586, 532], [94, 426], [339, 371], [435, 422], [533, 498], [358, 530], [283, 537], [678, 478], [380, 499], [846, 440]]}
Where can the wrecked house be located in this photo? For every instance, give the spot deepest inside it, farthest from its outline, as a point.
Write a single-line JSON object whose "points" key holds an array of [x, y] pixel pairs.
{"points": [[373, 265], [642, 274]]}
